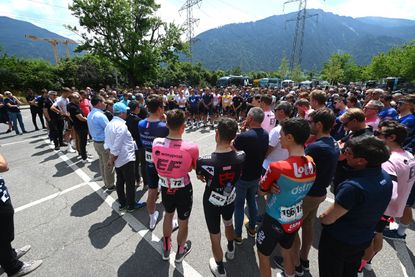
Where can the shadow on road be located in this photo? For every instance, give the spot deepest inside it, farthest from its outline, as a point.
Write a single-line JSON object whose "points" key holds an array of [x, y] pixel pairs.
{"points": [[101, 233], [146, 261], [86, 205]]}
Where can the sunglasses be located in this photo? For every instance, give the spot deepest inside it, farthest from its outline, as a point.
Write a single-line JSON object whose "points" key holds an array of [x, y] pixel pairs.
{"points": [[401, 102]]}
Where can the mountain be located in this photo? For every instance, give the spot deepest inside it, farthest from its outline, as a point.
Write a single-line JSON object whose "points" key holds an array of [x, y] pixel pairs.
{"points": [[252, 46], [260, 45], [13, 41]]}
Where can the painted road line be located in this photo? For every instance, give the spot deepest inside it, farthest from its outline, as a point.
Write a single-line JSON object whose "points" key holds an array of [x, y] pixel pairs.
{"points": [[185, 269], [52, 196], [22, 141], [49, 197]]}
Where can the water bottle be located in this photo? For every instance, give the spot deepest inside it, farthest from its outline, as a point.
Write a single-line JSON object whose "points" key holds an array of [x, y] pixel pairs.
{"points": [[227, 190]]}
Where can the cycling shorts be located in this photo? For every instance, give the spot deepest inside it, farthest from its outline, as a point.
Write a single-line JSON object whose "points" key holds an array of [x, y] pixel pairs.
{"points": [[152, 176], [194, 110], [270, 233], [214, 213], [206, 111], [178, 199]]}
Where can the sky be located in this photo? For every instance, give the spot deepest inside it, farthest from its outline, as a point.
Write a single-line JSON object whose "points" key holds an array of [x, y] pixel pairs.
{"points": [[54, 14]]}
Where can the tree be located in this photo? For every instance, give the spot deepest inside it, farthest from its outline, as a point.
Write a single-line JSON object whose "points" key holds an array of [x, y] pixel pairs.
{"points": [[340, 68], [88, 70], [283, 69], [128, 34], [297, 75]]}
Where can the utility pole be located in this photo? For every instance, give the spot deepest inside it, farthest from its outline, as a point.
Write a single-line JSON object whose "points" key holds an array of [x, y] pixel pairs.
{"points": [[190, 22], [298, 42]]}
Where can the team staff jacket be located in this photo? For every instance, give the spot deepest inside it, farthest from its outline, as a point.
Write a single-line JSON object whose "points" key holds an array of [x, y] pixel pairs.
{"points": [[221, 172], [295, 177], [174, 159]]}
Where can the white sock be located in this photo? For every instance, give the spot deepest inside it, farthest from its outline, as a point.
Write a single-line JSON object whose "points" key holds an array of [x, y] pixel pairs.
{"points": [[402, 229]]}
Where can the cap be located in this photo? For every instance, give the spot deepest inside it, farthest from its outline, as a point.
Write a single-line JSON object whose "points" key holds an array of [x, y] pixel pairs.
{"points": [[119, 108]]}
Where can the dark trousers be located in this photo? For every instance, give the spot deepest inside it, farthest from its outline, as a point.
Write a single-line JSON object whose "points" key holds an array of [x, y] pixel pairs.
{"points": [[125, 176], [137, 165], [336, 258], [56, 131], [37, 112], [143, 166], [8, 259], [81, 140]]}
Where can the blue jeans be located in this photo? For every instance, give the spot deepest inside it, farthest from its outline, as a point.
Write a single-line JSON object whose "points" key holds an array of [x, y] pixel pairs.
{"points": [[245, 190], [14, 117]]}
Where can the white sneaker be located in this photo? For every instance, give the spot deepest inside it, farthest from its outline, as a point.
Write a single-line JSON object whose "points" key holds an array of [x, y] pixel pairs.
{"points": [[215, 268], [87, 161], [70, 149], [360, 274], [153, 220], [28, 267], [368, 267], [21, 251]]}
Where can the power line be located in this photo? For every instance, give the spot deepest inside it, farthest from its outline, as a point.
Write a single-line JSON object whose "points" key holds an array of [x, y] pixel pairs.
{"points": [[298, 42], [190, 22]]}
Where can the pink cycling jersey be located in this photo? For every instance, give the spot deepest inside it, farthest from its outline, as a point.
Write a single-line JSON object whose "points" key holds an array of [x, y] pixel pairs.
{"points": [[174, 159], [269, 121], [401, 167]]}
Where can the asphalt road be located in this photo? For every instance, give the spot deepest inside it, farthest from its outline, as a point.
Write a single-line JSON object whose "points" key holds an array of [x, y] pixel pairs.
{"points": [[76, 229]]}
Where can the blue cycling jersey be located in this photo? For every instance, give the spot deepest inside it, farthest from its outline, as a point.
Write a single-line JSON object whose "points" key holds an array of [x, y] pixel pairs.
{"points": [[149, 130]]}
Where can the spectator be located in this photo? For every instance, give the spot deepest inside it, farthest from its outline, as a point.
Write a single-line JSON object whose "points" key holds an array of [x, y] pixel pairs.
{"points": [[97, 122], [12, 104], [360, 200], [35, 109], [371, 110], [9, 257], [4, 117], [120, 144], [80, 125], [254, 143]]}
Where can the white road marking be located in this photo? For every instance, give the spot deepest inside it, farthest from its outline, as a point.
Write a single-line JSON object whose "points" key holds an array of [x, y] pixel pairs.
{"points": [[37, 202], [185, 269], [22, 141]]}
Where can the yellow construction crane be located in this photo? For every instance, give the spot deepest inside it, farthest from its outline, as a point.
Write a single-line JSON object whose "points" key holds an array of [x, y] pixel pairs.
{"points": [[54, 43]]}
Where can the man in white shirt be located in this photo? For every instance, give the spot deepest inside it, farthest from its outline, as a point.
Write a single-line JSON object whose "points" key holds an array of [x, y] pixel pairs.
{"points": [[122, 155], [275, 151]]}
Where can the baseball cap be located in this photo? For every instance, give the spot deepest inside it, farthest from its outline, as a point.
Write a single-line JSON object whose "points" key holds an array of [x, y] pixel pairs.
{"points": [[120, 108]]}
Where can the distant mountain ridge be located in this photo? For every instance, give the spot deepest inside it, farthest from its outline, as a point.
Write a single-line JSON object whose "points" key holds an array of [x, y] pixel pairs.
{"points": [[252, 46], [259, 45], [14, 43]]}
